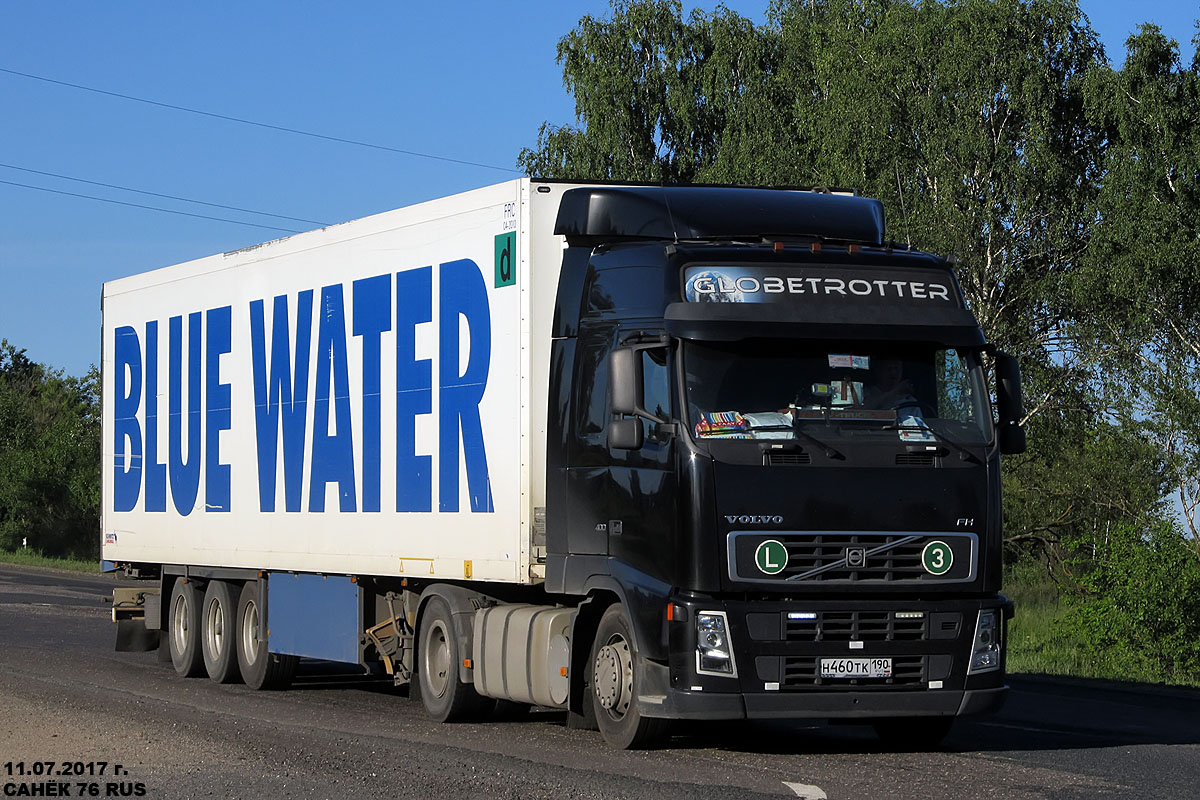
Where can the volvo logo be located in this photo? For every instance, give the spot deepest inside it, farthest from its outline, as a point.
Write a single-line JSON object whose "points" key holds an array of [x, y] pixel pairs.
{"points": [[754, 519], [856, 557]]}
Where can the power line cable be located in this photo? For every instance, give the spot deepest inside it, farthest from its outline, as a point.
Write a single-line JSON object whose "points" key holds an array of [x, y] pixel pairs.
{"points": [[166, 196], [150, 208], [262, 124]]}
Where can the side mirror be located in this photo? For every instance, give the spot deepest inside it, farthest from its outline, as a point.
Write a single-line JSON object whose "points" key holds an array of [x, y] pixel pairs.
{"points": [[1011, 407], [626, 396], [626, 434], [624, 381], [1012, 439]]}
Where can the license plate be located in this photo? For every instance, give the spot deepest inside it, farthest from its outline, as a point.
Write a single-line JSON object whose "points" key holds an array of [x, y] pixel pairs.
{"points": [[856, 668]]}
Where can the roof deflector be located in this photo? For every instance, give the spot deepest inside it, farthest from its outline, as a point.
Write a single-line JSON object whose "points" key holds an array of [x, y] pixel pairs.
{"points": [[590, 215]]}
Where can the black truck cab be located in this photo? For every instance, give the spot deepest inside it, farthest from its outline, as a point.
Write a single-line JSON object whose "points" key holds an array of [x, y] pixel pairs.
{"points": [[771, 439]]}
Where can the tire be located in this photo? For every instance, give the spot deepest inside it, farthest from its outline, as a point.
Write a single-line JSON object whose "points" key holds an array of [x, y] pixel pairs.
{"points": [[615, 683], [260, 668], [913, 733], [183, 629], [218, 632], [445, 697]]}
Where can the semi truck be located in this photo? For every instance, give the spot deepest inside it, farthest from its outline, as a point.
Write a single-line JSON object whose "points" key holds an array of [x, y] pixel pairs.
{"points": [[639, 453]]}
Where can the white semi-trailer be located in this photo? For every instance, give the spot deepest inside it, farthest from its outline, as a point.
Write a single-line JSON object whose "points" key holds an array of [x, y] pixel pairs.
{"points": [[602, 448]]}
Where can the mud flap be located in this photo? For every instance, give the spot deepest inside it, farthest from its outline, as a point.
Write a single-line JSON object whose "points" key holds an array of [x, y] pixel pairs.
{"points": [[134, 637]]}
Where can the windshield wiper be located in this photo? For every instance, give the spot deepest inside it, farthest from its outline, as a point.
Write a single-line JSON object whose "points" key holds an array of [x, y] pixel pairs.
{"points": [[828, 449]]}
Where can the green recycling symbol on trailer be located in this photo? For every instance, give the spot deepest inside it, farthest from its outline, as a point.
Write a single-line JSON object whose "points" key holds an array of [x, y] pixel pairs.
{"points": [[771, 557], [937, 557]]}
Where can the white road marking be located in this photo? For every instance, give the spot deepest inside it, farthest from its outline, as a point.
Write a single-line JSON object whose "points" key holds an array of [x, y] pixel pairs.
{"points": [[806, 792]]}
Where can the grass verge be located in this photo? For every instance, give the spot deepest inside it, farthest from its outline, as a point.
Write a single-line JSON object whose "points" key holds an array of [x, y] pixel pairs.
{"points": [[1038, 638], [1042, 641], [32, 558]]}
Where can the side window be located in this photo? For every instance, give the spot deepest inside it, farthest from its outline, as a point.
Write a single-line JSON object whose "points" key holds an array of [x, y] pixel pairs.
{"points": [[633, 291], [955, 399], [656, 384]]}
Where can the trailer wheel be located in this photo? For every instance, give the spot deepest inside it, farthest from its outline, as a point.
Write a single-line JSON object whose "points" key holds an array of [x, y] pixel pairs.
{"points": [[184, 629], [912, 733], [218, 632], [260, 669], [615, 685], [445, 697]]}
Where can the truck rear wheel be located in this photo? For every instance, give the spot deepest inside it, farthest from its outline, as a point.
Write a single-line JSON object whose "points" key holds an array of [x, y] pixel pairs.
{"points": [[615, 683], [260, 669], [184, 629], [445, 697], [218, 626]]}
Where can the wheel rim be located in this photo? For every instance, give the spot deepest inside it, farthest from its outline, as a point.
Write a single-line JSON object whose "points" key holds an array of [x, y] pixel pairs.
{"points": [[436, 659], [214, 628], [612, 676], [179, 623], [250, 632]]}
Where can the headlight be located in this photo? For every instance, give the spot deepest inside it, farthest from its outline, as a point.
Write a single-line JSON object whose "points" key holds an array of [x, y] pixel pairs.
{"points": [[985, 652], [713, 654]]}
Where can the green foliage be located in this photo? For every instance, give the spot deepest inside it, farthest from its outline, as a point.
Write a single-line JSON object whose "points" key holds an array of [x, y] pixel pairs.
{"points": [[1039, 638], [1136, 615], [1141, 273], [49, 458]]}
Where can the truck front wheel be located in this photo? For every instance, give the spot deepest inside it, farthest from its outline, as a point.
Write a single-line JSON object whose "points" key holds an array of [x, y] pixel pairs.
{"points": [[184, 629], [615, 683], [445, 697]]}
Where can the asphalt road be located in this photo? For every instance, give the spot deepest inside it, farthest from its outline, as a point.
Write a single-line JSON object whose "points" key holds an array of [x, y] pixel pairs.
{"points": [[66, 697]]}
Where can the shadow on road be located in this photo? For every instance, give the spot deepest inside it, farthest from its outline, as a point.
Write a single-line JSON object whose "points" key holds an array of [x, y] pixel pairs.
{"points": [[1042, 713]]}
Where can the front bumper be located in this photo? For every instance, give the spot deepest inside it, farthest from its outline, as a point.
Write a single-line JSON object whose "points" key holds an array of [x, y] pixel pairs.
{"points": [[658, 699], [777, 652]]}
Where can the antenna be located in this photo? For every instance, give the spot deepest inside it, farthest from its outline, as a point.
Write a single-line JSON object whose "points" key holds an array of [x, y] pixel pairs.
{"points": [[670, 215]]}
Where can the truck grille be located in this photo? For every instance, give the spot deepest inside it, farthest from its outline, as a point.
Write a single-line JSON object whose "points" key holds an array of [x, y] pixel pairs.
{"points": [[803, 672], [883, 557], [844, 626], [825, 550]]}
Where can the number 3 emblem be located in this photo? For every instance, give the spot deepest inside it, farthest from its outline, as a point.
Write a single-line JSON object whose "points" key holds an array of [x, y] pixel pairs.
{"points": [[937, 558]]}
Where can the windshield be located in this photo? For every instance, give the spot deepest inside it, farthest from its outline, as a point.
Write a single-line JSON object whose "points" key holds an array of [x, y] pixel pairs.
{"points": [[773, 389]]}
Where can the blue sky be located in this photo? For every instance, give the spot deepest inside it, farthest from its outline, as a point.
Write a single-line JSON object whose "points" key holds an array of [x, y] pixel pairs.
{"points": [[467, 80]]}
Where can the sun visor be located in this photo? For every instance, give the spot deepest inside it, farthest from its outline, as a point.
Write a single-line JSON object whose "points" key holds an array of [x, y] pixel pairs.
{"points": [[952, 327]]}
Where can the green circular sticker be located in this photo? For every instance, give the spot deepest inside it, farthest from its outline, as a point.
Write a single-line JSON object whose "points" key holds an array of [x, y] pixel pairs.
{"points": [[937, 558], [771, 557]]}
